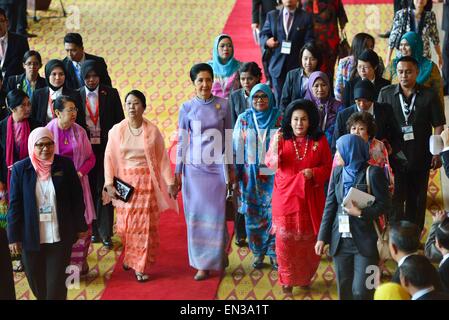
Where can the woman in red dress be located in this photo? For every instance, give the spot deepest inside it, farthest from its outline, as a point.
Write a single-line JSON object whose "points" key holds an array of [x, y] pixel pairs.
{"points": [[300, 155]]}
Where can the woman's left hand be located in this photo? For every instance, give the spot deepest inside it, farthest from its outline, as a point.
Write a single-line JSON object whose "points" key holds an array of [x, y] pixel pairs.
{"points": [[352, 209], [173, 191], [308, 173]]}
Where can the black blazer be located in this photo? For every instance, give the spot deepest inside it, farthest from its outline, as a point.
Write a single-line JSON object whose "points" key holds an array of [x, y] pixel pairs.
{"points": [[362, 229], [300, 33], [445, 157], [445, 20], [3, 110], [111, 112], [238, 103], [434, 295], [39, 105], [292, 88], [23, 220], [17, 47], [387, 126], [348, 94], [3, 127], [444, 276], [16, 82], [72, 81]]}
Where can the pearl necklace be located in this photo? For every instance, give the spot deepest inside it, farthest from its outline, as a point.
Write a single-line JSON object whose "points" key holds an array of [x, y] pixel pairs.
{"points": [[138, 130], [296, 149]]}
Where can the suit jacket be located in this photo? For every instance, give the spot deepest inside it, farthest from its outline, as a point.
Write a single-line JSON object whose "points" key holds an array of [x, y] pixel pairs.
{"points": [[300, 33], [39, 105], [436, 281], [3, 130], [445, 157], [3, 110], [445, 24], [387, 126], [427, 113], [238, 103], [362, 229], [292, 88], [348, 94], [17, 47], [111, 112], [23, 221], [259, 10], [434, 295], [72, 81], [16, 82], [444, 275]]}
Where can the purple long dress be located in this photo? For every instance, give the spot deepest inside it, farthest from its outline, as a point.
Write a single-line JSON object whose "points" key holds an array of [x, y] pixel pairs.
{"points": [[203, 184]]}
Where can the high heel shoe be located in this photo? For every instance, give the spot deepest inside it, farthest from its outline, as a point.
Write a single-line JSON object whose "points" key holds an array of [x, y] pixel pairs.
{"points": [[274, 263], [258, 262]]}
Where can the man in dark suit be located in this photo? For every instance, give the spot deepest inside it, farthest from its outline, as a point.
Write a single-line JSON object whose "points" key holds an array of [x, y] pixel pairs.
{"points": [[103, 110], [445, 27], [73, 44], [403, 242], [294, 28], [12, 49], [442, 244], [417, 274], [388, 129], [417, 110]]}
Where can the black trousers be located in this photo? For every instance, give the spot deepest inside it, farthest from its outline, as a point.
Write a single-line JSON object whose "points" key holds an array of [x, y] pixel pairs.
{"points": [[46, 270], [446, 62], [7, 291], [410, 196], [352, 272], [239, 226], [104, 222]]}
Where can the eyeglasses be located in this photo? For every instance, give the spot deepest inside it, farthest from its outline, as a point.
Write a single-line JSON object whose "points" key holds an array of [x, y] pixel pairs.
{"points": [[364, 67], [263, 97], [71, 110], [41, 146]]}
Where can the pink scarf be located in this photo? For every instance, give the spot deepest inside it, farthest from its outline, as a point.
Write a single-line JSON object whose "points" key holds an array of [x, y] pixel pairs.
{"points": [[16, 134], [42, 167]]}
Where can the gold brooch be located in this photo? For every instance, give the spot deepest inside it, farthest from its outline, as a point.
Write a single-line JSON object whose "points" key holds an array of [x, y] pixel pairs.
{"points": [[217, 106], [315, 146]]}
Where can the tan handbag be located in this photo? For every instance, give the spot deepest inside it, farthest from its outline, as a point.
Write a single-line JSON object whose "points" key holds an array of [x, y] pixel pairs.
{"points": [[382, 235]]}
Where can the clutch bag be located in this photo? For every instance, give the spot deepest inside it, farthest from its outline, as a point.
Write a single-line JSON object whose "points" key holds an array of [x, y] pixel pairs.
{"points": [[124, 189]]}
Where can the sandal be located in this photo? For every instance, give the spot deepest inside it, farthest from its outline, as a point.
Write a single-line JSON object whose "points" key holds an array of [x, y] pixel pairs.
{"points": [[142, 277], [18, 267]]}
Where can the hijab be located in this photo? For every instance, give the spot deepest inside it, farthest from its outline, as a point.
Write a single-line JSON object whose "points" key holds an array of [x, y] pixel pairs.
{"points": [[309, 93], [220, 69], [416, 45], [52, 64], [265, 119], [355, 153], [42, 167]]}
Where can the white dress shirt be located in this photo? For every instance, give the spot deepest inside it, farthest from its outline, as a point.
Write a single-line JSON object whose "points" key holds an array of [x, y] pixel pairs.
{"points": [[445, 257], [93, 104], [422, 292], [53, 96], [46, 196]]}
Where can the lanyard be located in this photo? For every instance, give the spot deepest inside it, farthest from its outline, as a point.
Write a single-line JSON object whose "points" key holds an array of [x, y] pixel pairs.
{"points": [[93, 117], [51, 103], [45, 190], [407, 111], [28, 87], [260, 137]]}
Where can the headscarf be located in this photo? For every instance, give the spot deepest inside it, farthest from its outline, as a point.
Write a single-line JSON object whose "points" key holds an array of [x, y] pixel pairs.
{"points": [[391, 291], [42, 167], [309, 93], [220, 69], [265, 118], [54, 63], [354, 152], [425, 65]]}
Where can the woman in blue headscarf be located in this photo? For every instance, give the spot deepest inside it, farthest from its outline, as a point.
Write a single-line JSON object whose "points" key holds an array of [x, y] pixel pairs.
{"points": [[225, 67], [349, 230], [251, 138], [429, 75]]}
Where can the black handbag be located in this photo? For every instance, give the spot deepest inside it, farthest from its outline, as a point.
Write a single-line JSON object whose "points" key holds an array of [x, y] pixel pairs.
{"points": [[124, 189]]}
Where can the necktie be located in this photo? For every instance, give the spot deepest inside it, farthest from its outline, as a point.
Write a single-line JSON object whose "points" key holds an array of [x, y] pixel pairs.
{"points": [[2, 49], [289, 21], [78, 72]]}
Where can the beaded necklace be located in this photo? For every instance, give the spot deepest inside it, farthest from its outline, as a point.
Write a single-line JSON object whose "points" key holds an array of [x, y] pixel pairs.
{"points": [[296, 149]]}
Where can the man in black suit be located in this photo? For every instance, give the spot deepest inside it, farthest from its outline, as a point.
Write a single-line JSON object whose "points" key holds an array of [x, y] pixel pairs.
{"points": [[417, 110], [103, 110], [445, 27], [12, 49], [294, 28], [403, 242], [416, 274], [388, 129], [73, 44], [442, 244]]}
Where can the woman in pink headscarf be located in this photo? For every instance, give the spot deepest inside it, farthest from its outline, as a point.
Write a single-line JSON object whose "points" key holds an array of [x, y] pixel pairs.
{"points": [[45, 215], [71, 141]]}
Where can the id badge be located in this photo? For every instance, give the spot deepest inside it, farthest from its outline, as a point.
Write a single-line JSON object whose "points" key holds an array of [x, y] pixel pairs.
{"points": [[408, 133], [95, 136], [45, 212], [343, 224], [286, 47]]}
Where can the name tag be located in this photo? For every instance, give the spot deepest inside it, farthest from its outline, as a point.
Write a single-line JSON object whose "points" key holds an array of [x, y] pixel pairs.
{"points": [[343, 224], [95, 137], [45, 213], [408, 133], [286, 47]]}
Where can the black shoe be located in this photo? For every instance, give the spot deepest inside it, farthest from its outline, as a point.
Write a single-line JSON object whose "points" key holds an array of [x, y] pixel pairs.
{"points": [[241, 243], [108, 243], [258, 262], [385, 35], [95, 239]]}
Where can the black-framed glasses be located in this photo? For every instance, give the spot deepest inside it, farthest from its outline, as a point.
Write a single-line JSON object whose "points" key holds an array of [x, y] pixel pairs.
{"points": [[43, 145], [263, 97]]}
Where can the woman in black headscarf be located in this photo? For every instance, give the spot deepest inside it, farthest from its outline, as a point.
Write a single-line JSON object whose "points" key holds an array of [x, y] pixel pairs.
{"points": [[43, 99]]}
